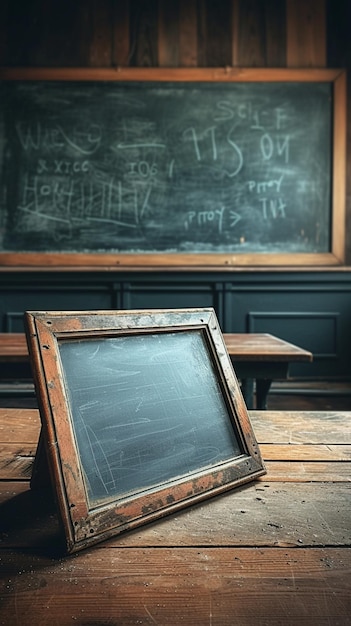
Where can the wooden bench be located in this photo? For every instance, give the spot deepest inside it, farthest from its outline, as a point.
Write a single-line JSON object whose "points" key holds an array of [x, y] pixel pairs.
{"points": [[277, 550], [259, 357]]}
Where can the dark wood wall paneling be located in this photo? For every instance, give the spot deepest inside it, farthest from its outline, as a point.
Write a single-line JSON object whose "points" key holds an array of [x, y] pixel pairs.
{"points": [[165, 32], [309, 309], [168, 33]]}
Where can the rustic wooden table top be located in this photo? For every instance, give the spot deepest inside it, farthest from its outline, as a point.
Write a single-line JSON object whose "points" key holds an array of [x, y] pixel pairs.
{"points": [[244, 347], [13, 347], [263, 347], [275, 551]]}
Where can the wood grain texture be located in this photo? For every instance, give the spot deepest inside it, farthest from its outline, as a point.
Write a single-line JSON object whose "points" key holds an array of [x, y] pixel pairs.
{"points": [[100, 48], [306, 33], [261, 514], [306, 452], [251, 45], [275, 29], [201, 34], [144, 33], [235, 30], [302, 427], [276, 551], [217, 33], [19, 426], [168, 33], [305, 471], [16, 461], [263, 346], [187, 33], [197, 586], [120, 33]]}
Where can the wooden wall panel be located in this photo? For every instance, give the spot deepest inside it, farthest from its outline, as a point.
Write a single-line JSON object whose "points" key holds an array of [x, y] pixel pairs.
{"points": [[260, 33], [144, 33], [162, 32], [275, 29], [218, 42], [306, 33], [120, 34], [188, 33], [235, 28], [201, 33], [251, 44], [168, 33], [100, 42]]}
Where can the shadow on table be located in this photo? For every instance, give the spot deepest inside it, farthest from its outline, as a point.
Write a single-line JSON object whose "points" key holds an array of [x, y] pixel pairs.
{"points": [[28, 521]]}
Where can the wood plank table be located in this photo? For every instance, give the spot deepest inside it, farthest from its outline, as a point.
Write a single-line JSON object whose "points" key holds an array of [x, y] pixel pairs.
{"points": [[255, 356], [276, 551], [264, 358]]}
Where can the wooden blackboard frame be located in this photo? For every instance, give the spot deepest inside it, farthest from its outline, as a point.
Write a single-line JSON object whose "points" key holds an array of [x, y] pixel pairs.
{"points": [[202, 261], [86, 520]]}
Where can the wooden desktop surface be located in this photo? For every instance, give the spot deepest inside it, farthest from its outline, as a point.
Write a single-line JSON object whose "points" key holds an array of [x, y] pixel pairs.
{"points": [[242, 346], [263, 347], [275, 551], [13, 347]]}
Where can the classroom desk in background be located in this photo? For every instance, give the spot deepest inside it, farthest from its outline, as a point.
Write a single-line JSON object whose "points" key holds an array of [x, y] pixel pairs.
{"points": [[264, 358], [259, 357], [275, 551]]}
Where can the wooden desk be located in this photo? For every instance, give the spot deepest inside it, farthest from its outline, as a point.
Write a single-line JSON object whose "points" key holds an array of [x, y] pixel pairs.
{"points": [[13, 348], [261, 357], [276, 551]]}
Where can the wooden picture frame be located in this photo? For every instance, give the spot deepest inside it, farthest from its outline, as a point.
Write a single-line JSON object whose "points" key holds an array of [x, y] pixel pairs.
{"points": [[141, 415], [333, 254]]}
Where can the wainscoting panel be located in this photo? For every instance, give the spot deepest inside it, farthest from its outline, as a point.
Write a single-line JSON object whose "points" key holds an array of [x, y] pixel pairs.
{"points": [[309, 309]]}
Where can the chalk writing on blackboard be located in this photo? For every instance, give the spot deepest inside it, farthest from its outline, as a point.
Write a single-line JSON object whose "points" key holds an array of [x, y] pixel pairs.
{"points": [[171, 167], [146, 409]]}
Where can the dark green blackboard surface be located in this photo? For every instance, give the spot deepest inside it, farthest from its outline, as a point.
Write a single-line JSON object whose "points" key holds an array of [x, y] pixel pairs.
{"points": [[165, 167]]}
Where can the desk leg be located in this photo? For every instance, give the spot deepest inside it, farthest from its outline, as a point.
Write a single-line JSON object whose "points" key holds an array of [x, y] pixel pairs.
{"points": [[262, 389], [247, 389]]}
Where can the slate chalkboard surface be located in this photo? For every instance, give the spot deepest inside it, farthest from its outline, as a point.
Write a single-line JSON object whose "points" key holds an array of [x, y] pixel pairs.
{"points": [[182, 167], [145, 410]]}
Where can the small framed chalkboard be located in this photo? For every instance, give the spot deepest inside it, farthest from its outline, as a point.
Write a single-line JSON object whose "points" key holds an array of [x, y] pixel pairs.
{"points": [[172, 168], [141, 415]]}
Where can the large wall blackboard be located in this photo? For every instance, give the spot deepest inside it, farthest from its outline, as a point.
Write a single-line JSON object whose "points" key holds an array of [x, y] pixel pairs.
{"points": [[149, 167]]}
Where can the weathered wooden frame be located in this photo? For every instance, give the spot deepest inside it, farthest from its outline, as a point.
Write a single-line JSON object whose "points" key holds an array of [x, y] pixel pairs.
{"points": [[85, 522], [202, 261]]}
